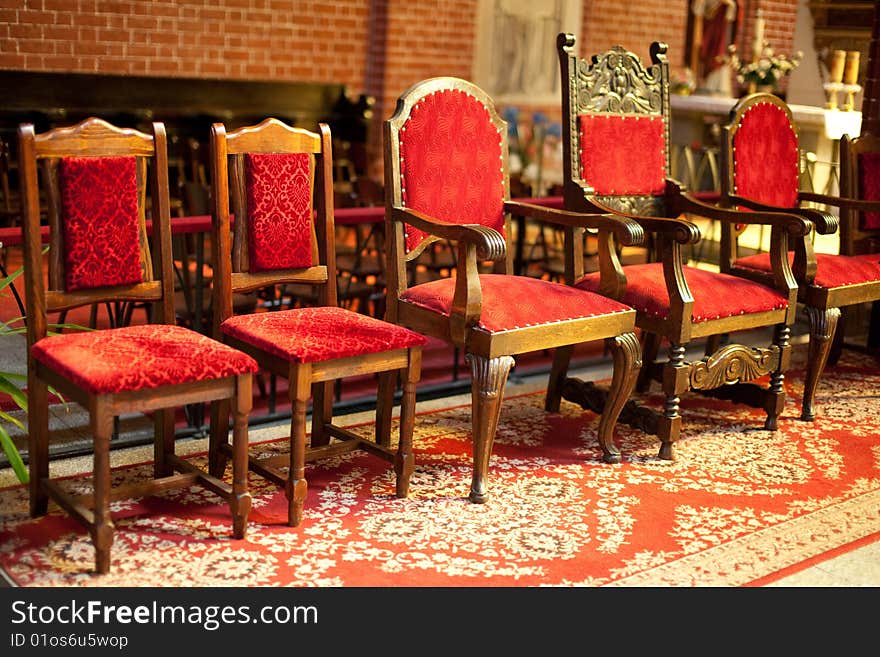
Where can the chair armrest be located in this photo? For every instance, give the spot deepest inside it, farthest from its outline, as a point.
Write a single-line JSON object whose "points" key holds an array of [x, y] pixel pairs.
{"points": [[628, 231], [840, 202], [797, 222], [490, 243]]}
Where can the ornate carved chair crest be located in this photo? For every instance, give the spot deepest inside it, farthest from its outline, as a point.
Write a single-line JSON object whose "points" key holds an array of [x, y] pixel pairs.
{"points": [[616, 148]]}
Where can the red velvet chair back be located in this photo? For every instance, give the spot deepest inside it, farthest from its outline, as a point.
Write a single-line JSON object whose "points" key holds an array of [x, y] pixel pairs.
{"points": [[765, 162], [616, 129], [860, 178], [449, 157]]}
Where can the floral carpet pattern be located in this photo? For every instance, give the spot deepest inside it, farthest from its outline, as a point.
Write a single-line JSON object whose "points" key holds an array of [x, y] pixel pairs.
{"points": [[739, 506]]}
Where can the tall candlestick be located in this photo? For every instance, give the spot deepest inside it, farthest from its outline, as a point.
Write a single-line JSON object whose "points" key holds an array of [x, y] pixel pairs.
{"points": [[837, 66], [851, 74], [758, 43]]}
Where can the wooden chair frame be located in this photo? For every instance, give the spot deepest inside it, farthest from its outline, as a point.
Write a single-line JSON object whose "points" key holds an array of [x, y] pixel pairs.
{"points": [[617, 82], [490, 355], [95, 137], [822, 305], [305, 380]]}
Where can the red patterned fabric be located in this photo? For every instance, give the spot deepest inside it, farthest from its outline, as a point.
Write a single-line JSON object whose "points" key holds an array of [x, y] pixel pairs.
{"points": [[766, 157], [511, 302], [715, 295], [139, 357], [869, 187], [623, 154], [831, 270], [451, 163], [312, 335], [100, 221], [279, 200]]}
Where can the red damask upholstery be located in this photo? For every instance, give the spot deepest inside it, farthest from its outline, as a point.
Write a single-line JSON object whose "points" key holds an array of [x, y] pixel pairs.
{"points": [[139, 357], [311, 335], [623, 154], [451, 166], [831, 270], [279, 199], [869, 186], [509, 302], [767, 157], [712, 292], [99, 210]]}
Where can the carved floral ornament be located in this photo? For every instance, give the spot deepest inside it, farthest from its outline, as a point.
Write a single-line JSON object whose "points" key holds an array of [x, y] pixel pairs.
{"points": [[617, 82]]}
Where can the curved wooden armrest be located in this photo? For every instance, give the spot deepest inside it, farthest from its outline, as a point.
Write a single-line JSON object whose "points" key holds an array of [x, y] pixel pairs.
{"points": [[796, 221], [628, 231], [837, 201], [489, 242]]}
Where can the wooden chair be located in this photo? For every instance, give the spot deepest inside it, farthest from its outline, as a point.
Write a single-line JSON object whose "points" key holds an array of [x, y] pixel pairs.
{"points": [[446, 178], [761, 166], [616, 146], [280, 178], [100, 250]]}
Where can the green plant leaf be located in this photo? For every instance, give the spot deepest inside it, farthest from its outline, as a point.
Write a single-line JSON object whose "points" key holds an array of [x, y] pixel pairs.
{"points": [[12, 420], [6, 282], [13, 455], [8, 387]]}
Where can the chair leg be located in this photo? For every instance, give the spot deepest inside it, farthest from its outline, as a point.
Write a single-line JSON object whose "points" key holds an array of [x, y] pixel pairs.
{"points": [[102, 527], [776, 392], [385, 406], [38, 444], [650, 348], [561, 359], [675, 382], [837, 342], [488, 378], [322, 412], [163, 442], [626, 353], [823, 326], [404, 461], [299, 386], [240, 501], [218, 440]]}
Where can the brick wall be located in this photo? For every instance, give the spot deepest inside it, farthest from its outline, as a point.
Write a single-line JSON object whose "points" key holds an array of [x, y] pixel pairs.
{"points": [[378, 47]]}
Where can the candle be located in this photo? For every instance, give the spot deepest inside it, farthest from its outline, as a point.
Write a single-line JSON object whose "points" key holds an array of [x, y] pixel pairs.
{"points": [[851, 74], [758, 43], [837, 66]]}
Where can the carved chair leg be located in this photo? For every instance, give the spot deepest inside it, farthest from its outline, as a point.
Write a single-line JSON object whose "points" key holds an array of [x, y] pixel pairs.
{"points": [[488, 378], [102, 527], [404, 462], [561, 359], [38, 445], [299, 389], [322, 412], [675, 382], [240, 501], [776, 392], [218, 439], [839, 338], [823, 325], [626, 354], [650, 348]]}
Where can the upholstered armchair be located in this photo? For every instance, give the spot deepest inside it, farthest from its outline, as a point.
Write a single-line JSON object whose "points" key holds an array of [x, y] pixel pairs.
{"points": [[760, 171], [446, 179], [616, 152], [102, 250]]}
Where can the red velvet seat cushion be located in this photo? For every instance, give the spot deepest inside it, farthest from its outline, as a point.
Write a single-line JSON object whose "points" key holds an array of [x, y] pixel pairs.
{"points": [[623, 154], [279, 199], [831, 270], [715, 295], [99, 212], [139, 357], [311, 335], [451, 163], [766, 157], [511, 302]]}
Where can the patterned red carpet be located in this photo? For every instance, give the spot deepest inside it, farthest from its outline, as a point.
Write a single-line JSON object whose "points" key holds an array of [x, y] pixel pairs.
{"points": [[740, 506]]}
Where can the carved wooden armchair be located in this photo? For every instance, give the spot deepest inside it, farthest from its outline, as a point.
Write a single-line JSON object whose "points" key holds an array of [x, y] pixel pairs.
{"points": [[760, 171], [446, 178], [281, 185], [94, 177], [616, 146]]}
